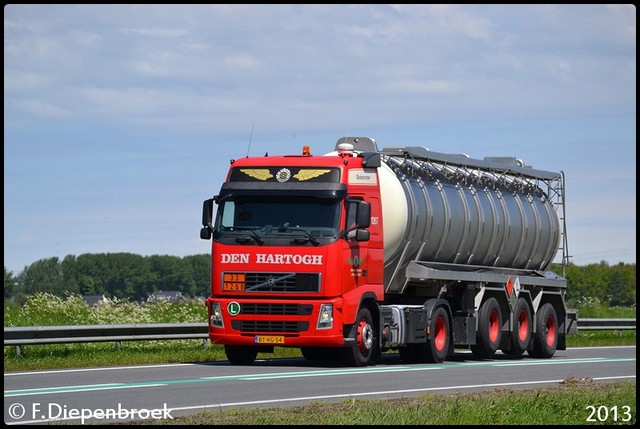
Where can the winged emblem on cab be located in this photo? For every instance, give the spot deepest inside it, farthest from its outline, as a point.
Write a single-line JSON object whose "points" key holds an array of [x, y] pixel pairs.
{"points": [[307, 174], [258, 173]]}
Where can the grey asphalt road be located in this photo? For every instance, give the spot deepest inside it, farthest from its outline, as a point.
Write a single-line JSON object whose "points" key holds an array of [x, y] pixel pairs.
{"points": [[165, 391]]}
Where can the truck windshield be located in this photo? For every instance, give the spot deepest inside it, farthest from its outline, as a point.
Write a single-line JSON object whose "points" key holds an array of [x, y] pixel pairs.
{"points": [[303, 218]]}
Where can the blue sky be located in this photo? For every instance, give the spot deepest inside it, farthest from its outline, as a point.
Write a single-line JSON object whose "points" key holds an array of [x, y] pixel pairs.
{"points": [[120, 120]]}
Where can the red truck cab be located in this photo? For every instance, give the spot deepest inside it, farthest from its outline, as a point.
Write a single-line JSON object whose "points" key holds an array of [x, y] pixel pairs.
{"points": [[297, 248]]}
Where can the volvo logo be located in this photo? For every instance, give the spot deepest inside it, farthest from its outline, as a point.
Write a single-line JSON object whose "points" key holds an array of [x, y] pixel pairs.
{"points": [[271, 282]]}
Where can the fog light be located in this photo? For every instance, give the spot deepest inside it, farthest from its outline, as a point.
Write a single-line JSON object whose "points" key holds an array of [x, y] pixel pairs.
{"points": [[325, 319], [216, 316]]}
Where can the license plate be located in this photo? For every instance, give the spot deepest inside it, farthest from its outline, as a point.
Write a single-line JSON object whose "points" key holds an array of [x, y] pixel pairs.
{"points": [[269, 339]]}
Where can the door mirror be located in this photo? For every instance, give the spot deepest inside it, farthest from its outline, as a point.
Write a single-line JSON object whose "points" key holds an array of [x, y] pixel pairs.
{"points": [[207, 212], [363, 214], [207, 217]]}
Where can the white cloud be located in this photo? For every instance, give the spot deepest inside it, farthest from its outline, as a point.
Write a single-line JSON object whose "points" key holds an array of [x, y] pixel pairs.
{"points": [[423, 87], [235, 62], [162, 33], [113, 86], [42, 109]]}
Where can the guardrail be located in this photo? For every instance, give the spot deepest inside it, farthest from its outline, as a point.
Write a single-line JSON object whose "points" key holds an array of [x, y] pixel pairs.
{"points": [[31, 335], [67, 334], [606, 324]]}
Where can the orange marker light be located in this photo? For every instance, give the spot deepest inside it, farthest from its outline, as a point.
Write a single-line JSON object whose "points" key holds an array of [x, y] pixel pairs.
{"points": [[306, 150]]}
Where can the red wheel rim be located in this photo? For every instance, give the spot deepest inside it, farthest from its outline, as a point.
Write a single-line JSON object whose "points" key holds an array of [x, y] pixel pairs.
{"points": [[551, 331], [523, 329], [494, 328], [364, 336], [440, 336]]}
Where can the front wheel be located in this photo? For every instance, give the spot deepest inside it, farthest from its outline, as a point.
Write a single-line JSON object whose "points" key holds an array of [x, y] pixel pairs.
{"points": [[363, 352], [241, 355], [545, 339]]}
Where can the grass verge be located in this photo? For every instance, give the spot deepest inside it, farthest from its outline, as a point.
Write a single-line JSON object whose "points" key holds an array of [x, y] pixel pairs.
{"points": [[572, 402]]}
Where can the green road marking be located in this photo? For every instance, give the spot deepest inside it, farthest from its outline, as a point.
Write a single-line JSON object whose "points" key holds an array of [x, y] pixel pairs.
{"points": [[319, 373]]}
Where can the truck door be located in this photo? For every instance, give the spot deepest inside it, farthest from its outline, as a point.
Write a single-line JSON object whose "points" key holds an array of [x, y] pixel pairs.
{"points": [[356, 258]]}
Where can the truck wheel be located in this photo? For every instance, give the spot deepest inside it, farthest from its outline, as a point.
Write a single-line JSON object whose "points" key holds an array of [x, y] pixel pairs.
{"points": [[408, 353], [522, 329], [489, 332], [241, 355], [436, 348], [362, 353], [319, 353], [545, 339]]}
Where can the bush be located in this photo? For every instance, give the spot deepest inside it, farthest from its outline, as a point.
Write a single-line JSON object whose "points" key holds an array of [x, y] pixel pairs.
{"points": [[45, 309]]}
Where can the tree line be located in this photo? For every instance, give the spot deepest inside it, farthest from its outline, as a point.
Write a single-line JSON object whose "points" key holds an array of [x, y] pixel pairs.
{"points": [[135, 277], [612, 284], [115, 275]]}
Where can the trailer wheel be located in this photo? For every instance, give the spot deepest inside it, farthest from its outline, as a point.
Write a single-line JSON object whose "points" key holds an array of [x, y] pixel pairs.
{"points": [[545, 339], [241, 355], [522, 329], [489, 332], [362, 353]]}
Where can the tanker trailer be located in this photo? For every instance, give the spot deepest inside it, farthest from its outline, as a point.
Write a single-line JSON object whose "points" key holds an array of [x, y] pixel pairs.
{"points": [[467, 245], [364, 251]]}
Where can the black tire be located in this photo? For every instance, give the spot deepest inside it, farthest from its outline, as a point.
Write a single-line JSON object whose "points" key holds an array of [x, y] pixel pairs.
{"points": [[436, 349], [489, 332], [362, 353], [522, 329], [408, 353], [545, 339], [241, 355], [319, 353]]}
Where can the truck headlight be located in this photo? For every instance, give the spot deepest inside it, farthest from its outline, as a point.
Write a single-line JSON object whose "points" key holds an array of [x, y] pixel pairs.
{"points": [[325, 319], [216, 316]]}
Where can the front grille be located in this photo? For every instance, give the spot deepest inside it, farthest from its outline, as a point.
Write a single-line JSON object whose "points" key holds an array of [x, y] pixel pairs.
{"points": [[247, 326], [277, 309], [281, 282]]}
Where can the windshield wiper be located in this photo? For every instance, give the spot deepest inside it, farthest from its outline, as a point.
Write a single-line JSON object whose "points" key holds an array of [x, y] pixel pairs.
{"points": [[285, 227], [254, 235]]}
